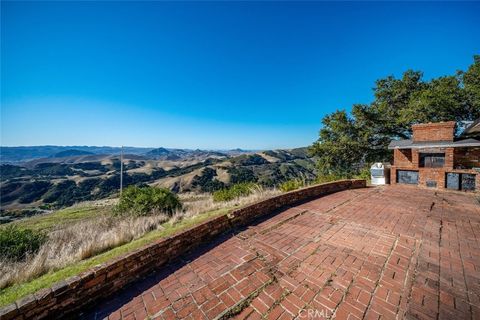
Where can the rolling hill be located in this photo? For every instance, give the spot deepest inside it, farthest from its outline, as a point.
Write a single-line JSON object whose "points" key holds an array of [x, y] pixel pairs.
{"points": [[71, 153], [54, 182]]}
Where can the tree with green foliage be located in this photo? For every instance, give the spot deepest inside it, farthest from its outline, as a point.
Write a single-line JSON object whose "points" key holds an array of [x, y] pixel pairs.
{"points": [[16, 243], [141, 201], [235, 191], [33, 191], [207, 181], [292, 184], [62, 194], [240, 174], [349, 141]]}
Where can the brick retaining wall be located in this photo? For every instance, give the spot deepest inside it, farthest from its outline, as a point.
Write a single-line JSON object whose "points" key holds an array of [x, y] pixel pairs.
{"points": [[69, 296]]}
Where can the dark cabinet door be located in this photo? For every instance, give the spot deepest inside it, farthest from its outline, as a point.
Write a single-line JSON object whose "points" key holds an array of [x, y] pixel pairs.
{"points": [[407, 177], [460, 181], [468, 182], [453, 181]]}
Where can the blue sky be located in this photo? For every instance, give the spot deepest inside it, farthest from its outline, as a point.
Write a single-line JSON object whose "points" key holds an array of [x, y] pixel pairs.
{"points": [[211, 75]]}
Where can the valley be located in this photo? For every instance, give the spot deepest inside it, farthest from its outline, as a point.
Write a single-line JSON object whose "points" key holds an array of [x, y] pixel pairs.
{"points": [[58, 178]]}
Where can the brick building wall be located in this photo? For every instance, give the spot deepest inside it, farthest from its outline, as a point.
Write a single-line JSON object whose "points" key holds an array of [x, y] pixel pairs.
{"points": [[461, 161], [457, 160], [403, 158], [415, 158], [432, 175], [441, 131], [449, 158]]}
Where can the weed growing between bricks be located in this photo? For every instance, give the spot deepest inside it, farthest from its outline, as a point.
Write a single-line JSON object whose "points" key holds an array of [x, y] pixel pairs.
{"points": [[238, 308], [285, 293]]}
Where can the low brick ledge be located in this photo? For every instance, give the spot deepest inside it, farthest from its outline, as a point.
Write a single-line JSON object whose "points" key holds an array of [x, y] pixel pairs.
{"points": [[77, 292]]}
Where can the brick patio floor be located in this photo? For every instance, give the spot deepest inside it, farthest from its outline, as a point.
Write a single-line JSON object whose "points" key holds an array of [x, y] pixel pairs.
{"points": [[390, 252]]}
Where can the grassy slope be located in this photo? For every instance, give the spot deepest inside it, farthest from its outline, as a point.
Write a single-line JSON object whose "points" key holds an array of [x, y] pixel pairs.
{"points": [[61, 218], [12, 293]]}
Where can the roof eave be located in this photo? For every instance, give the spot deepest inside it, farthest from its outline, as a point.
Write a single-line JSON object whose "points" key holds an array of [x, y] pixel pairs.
{"points": [[473, 129]]}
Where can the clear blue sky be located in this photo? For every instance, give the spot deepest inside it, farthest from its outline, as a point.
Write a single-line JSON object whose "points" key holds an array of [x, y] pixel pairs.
{"points": [[211, 75]]}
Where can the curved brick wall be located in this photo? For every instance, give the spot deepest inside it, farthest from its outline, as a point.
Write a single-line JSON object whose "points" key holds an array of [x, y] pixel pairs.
{"points": [[66, 297]]}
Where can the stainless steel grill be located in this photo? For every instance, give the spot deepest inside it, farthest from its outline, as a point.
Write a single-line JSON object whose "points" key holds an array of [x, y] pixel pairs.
{"points": [[375, 172], [380, 174]]}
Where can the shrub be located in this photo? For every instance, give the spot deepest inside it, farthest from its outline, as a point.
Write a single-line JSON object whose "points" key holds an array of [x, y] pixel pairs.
{"points": [[16, 243], [290, 185], [364, 174], [235, 191], [141, 201], [330, 177]]}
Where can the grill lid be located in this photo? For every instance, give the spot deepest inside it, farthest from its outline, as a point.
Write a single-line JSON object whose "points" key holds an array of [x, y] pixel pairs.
{"points": [[377, 172]]}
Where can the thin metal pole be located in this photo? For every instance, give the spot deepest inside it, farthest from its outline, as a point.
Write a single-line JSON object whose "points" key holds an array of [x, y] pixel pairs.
{"points": [[121, 171]]}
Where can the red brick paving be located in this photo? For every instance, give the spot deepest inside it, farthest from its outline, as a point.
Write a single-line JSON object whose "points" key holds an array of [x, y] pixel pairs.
{"points": [[392, 253]]}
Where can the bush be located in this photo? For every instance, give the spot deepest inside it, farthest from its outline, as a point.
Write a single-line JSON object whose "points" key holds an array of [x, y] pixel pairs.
{"points": [[364, 174], [291, 185], [16, 243], [141, 201], [236, 191], [330, 177]]}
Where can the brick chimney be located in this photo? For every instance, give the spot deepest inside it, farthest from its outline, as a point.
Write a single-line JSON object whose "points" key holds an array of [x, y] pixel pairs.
{"points": [[440, 131]]}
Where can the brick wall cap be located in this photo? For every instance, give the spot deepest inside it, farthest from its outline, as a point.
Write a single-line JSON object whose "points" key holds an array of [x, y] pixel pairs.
{"points": [[43, 293], [73, 281], [185, 232], [161, 241], [86, 275], [435, 124], [60, 287], [26, 303], [9, 311], [232, 213], [26, 300]]}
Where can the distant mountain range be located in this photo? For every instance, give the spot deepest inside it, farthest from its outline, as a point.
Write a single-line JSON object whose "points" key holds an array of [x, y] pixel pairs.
{"points": [[53, 177], [70, 153], [17, 155], [178, 154]]}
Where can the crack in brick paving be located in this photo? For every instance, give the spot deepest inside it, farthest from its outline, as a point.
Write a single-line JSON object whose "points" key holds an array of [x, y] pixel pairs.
{"points": [[381, 275]]}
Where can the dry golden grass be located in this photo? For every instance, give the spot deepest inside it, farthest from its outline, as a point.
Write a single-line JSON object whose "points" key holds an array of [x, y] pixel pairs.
{"points": [[198, 203], [79, 240]]}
